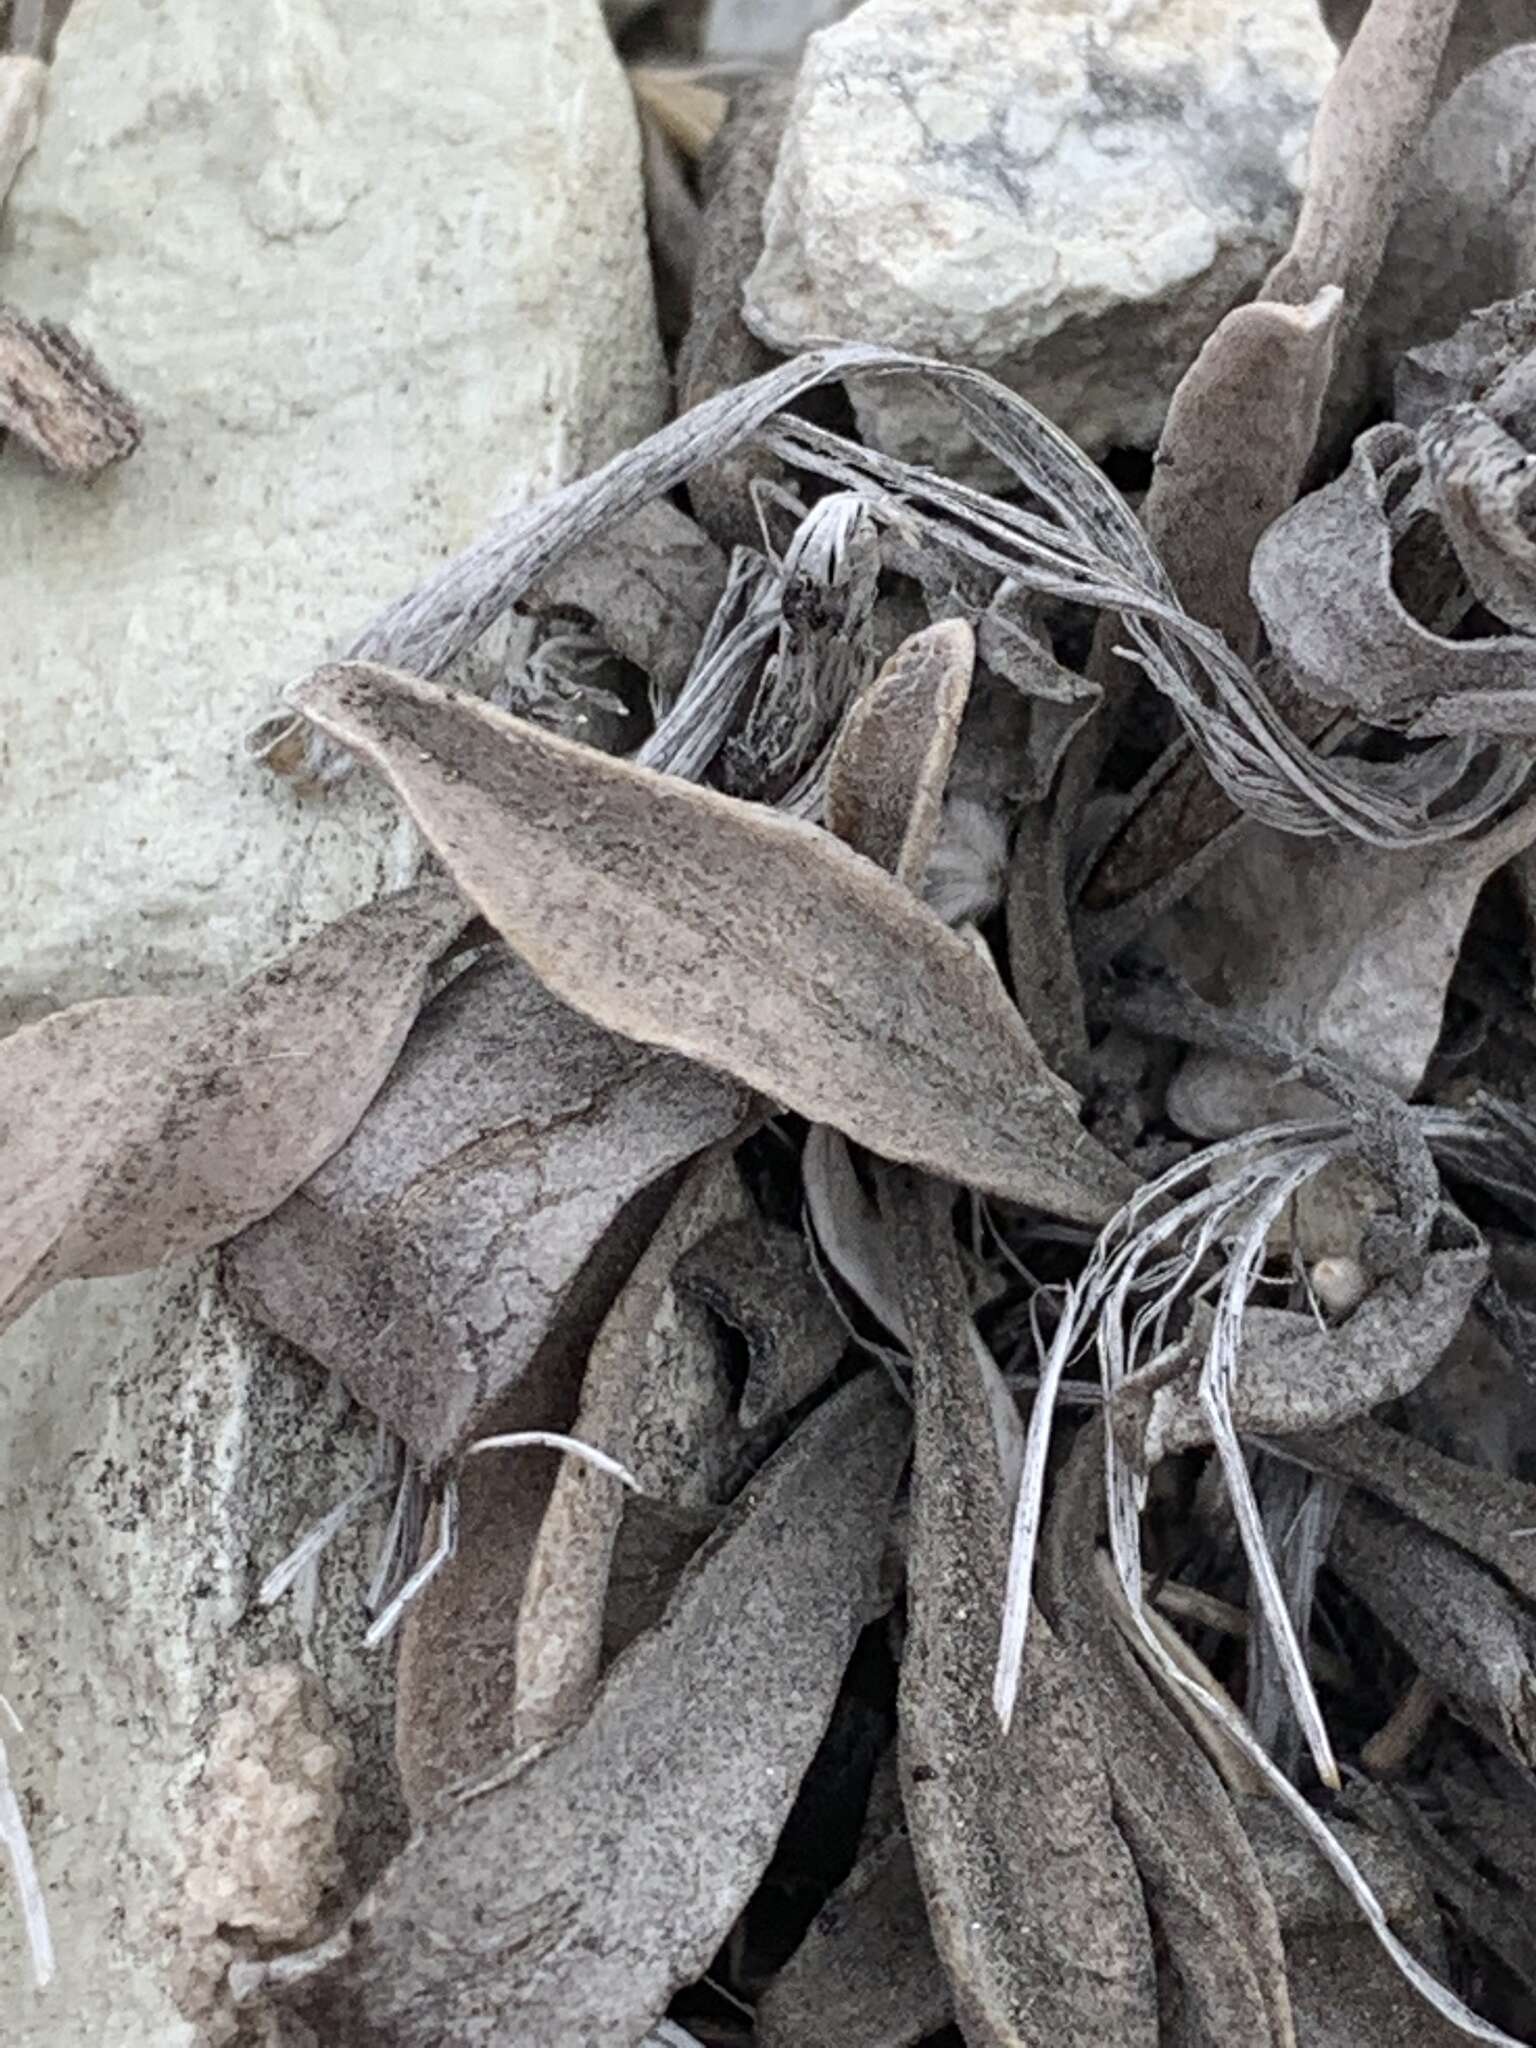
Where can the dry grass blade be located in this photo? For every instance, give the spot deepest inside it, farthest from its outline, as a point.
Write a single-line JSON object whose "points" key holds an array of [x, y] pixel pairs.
{"points": [[138, 1129], [885, 785], [29, 1890], [726, 932], [568, 1897], [1035, 1904]]}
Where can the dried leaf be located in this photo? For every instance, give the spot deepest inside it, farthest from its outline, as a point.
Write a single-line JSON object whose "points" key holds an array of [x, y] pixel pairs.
{"points": [[138, 1129], [727, 932], [1042, 957], [1486, 361], [1360, 149], [460, 1247], [885, 785], [1345, 1991], [1323, 584], [719, 349], [1332, 947], [655, 1397], [56, 397], [1472, 1638], [1233, 452], [1293, 1375], [1221, 1969], [866, 1975], [759, 1279], [1035, 1905], [649, 585], [1483, 481], [457, 1665], [1481, 1512], [568, 1897]]}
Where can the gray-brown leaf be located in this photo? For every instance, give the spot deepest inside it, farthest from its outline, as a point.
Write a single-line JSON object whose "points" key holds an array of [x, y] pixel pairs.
{"points": [[563, 1902], [1472, 1638], [1294, 1376], [1035, 1904], [866, 1975], [759, 1279], [138, 1129], [465, 1233], [885, 786], [1221, 1975], [727, 932], [653, 1396]]}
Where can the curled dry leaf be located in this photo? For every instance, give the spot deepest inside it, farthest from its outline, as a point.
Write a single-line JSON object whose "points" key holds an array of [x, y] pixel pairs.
{"points": [[1293, 1375], [1484, 484], [866, 1975], [1035, 1905], [1324, 587], [1221, 1975], [138, 1129], [569, 1896], [653, 1395], [461, 1247], [885, 785], [1472, 1638], [759, 1279], [725, 931]]}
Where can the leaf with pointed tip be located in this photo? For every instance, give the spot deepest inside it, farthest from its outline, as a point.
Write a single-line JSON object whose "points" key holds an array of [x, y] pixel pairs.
{"points": [[725, 931], [138, 1129], [563, 1900]]}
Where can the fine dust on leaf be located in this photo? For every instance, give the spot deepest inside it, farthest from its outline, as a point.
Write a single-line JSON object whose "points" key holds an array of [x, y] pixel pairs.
{"points": [[138, 1129], [731, 934], [580, 1888]]}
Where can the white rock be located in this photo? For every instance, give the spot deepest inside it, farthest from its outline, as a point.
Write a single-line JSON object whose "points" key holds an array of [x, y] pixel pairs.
{"points": [[366, 279], [1068, 195]]}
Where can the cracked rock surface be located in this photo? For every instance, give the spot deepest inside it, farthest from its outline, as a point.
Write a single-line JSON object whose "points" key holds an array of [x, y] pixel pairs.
{"points": [[1069, 196]]}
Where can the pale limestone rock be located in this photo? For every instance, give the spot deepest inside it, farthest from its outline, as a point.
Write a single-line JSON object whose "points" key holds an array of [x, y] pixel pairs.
{"points": [[1068, 194], [367, 280]]}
